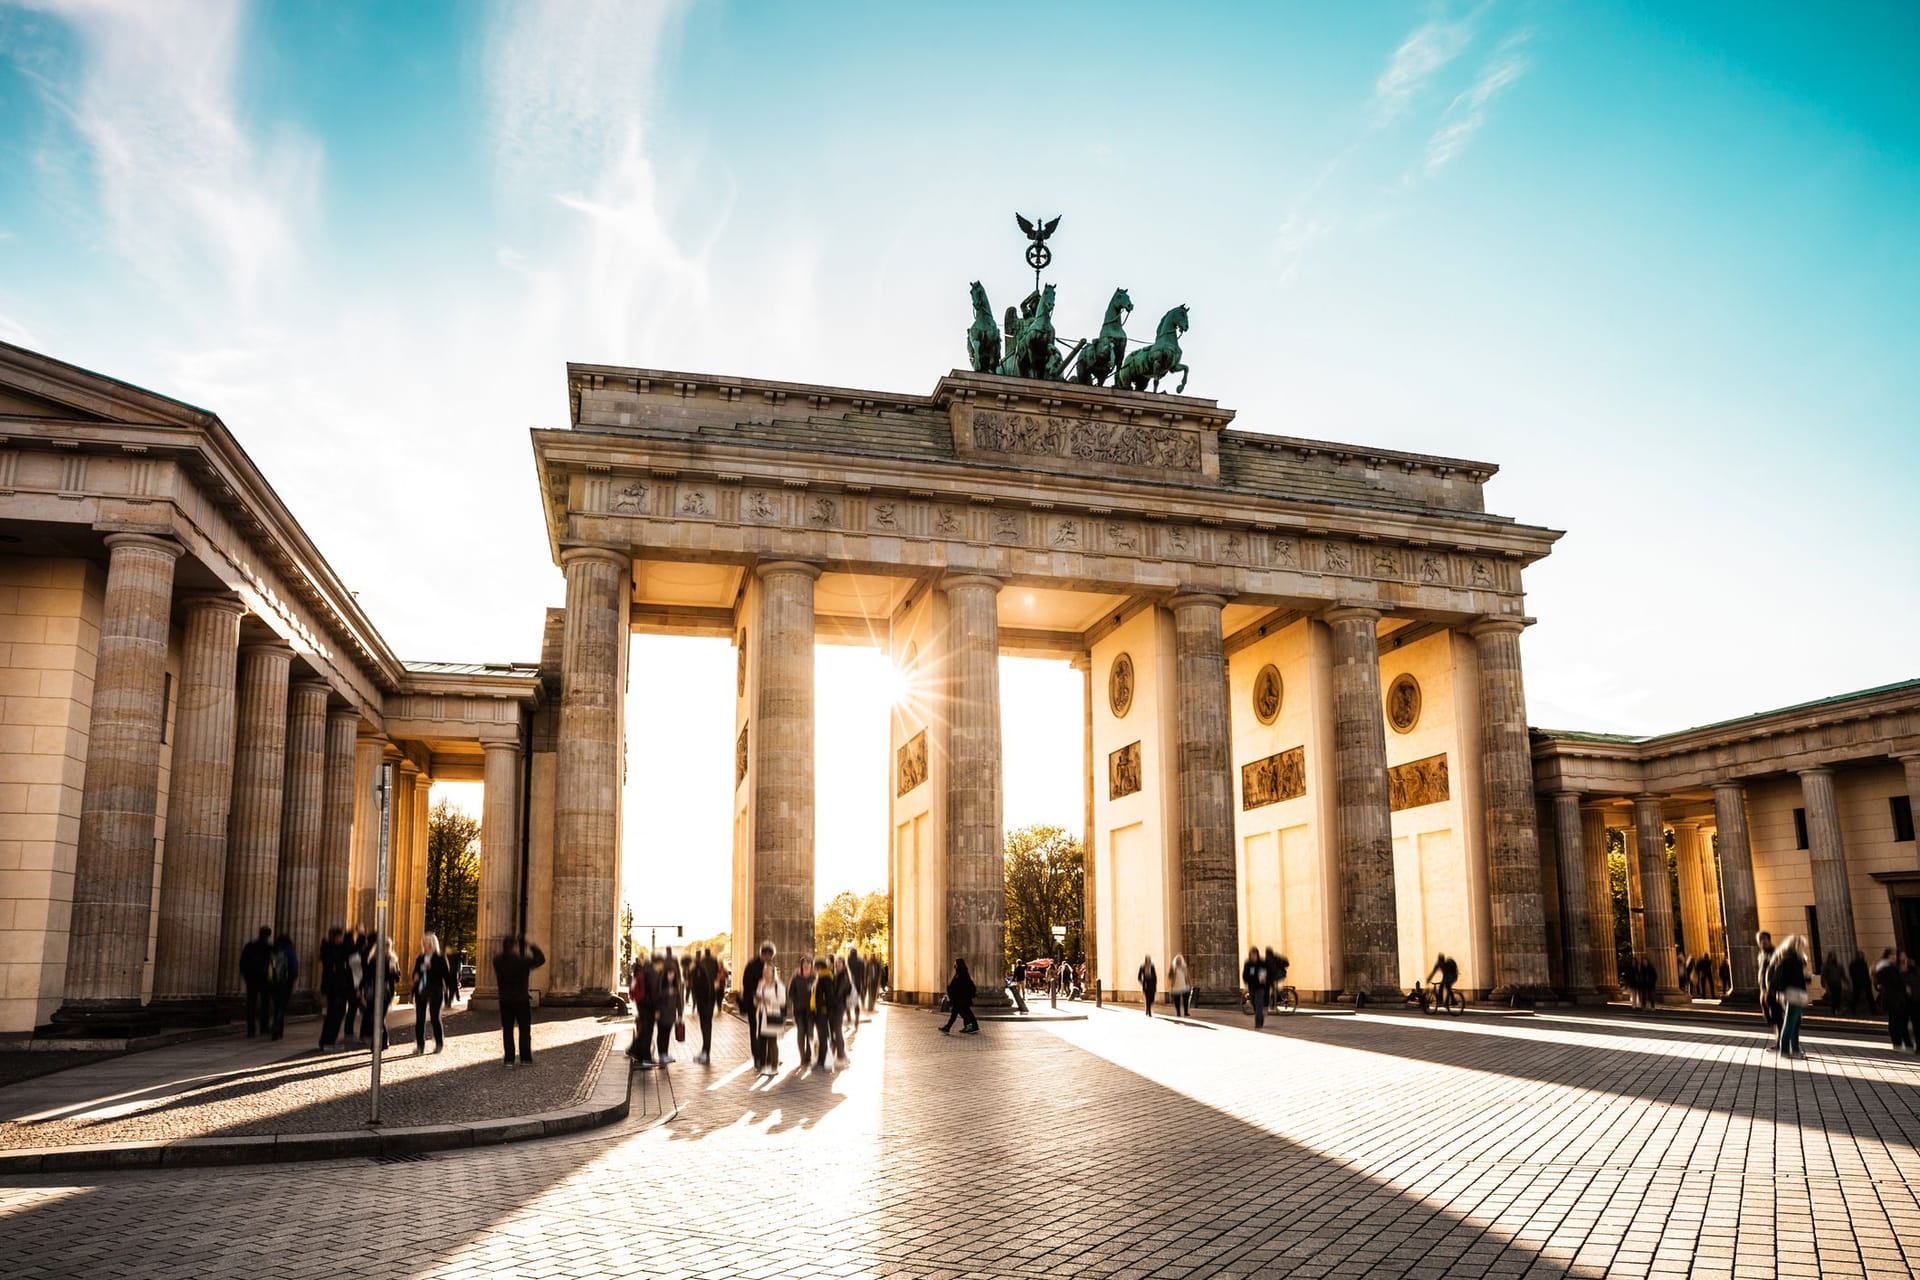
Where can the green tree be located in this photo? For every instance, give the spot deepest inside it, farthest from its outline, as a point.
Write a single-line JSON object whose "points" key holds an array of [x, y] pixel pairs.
{"points": [[453, 877], [874, 925], [837, 923], [1046, 884]]}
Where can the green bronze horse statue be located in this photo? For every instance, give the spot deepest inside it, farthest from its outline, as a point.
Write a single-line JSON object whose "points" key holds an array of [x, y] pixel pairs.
{"points": [[983, 339], [1030, 348], [1151, 363], [1103, 355]]}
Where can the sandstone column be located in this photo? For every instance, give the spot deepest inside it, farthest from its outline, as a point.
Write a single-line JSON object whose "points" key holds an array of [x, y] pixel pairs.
{"points": [[1650, 836], [1636, 904], [1910, 762], [1513, 845], [1576, 905], [1370, 944], [1716, 912], [1089, 919], [1606, 961], [113, 865], [976, 849], [302, 824], [1693, 890], [1209, 913], [187, 947], [499, 860], [400, 874], [1736, 871], [369, 753], [259, 780], [589, 770], [336, 837], [421, 813], [780, 736], [1832, 895]]}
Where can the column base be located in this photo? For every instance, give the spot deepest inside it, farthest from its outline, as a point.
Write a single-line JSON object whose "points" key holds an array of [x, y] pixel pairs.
{"points": [[1747, 998], [1369, 996], [582, 1000], [102, 1019], [185, 1011], [303, 1003], [1673, 997], [1518, 997]]}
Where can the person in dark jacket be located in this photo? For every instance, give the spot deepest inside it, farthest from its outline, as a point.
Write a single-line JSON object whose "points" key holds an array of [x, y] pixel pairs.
{"points": [[669, 999], [800, 1010], [1890, 983], [255, 960], [1833, 982], [336, 986], [1862, 979], [825, 1007], [510, 969], [960, 993], [378, 987], [703, 984], [283, 967], [750, 976], [1787, 979], [858, 968], [1254, 975], [1149, 982], [433, 984]]}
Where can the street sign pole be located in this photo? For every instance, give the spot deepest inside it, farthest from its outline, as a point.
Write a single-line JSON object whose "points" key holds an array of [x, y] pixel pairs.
{"points": [[384, 788]]}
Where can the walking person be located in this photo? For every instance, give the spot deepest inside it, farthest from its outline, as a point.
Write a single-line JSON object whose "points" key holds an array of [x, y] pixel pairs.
{"points": [[387, 978], [255, 960], [1890, 983], [1787, 979], [282, 969], [857, 972], [336, 986], [1017, 983], [1179, 987], [960, 994], [1833, 982], [749, 999], [1860, 979], [642, 996], [516, 960], [703, 985], [432, 981], [1769, 1009], [667, 1007], [770, 1001], [847, 1008], [800, 1009], [828, 1008], [1254, 974], [1149, 982]]}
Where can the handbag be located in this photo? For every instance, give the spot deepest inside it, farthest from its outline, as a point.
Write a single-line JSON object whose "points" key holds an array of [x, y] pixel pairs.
{"points": [[680, 1030]]}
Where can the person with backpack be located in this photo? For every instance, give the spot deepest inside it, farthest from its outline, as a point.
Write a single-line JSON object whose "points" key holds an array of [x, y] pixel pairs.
{"points": [[960, 994], [1149, 982], [1254, 975], [518, 958], [255, 959], [433, 979], [283, 967], [1447, 969]]}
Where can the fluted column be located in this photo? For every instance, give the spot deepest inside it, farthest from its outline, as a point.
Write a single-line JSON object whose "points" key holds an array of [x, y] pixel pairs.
{"points": [[1370, 942], [976, 857], [1209, 908], [369, 753], [1693, 890], [1636, 904], [113, 865], [186, 949], [780, 737], [588, 774], [1599, 882], [421, 813], [499, 914], [1736, 873], [1716, 913], [1576, 907], [1650, 836], [302, 821], [1513, 844], [336, 838], [1910, 762], [1089, 919], [1832, 895], [400, 887], [259, 791]]}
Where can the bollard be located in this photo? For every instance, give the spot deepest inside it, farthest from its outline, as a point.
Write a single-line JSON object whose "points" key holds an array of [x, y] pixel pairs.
{"points": [[1098, 995]]}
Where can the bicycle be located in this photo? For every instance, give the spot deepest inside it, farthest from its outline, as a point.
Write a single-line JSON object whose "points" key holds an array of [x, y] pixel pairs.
{"points": [[1286, 999], [1453, 1002]]}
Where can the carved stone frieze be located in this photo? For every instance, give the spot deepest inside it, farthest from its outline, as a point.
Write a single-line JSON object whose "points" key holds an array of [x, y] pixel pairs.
{"points": [[1403, 703], [1127, 444], [1120, 686], [1281, 776], [740, 757], [1267, 693], [912, 764], [1417, 782], [1123, 771], [628, 499]]}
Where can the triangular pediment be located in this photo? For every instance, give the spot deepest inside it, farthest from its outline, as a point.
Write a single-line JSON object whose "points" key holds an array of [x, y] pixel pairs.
{"points": [[44, 387], [15, 403]]}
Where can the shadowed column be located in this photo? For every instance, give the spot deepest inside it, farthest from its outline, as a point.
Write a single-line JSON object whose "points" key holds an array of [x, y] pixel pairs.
{"points": [[1513, 845], [976, 851], [1606, 960], [336, 839], [781, 739], [1636, 904], [588, 773], [499, 860], [113, 864], [259, 779], [421, 812], [1656, 891], [1693, 891], [1370, 943], [1576, 905], [1736, 876], [302, 823], [1716, 911], [1209, 916], [368, 755], [1827, 856], [200, 790]]}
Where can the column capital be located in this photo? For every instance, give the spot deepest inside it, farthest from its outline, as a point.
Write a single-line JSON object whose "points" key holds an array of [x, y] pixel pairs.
{"points": [[1081, 662], [1816, 771], [972, 578], [309, 684], [229, 604], [1569, 795], [1499, 624], [490, 747], [1343, 612], [422, 780], [1685, 824], [1730, 784], [146, 542], [773, 568], [1210, 599], [335, 714], [610, 555]]}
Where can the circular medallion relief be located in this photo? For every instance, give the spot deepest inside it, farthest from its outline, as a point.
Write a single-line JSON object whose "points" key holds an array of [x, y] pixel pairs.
{"points": [[1120, 686], [1403, 703], [1267, 693]]}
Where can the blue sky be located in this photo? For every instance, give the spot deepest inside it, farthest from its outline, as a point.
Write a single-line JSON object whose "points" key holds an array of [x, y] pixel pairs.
{"points": [[1658, 261]]}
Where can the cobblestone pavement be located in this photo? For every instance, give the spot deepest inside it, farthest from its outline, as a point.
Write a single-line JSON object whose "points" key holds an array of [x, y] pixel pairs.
{"points": [[233, 1086], [1118, 1146]]}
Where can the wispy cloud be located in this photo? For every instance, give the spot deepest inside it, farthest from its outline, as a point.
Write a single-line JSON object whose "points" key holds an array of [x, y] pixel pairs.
{"points": [[1420, 57], [1468, 112], [190, 193]]}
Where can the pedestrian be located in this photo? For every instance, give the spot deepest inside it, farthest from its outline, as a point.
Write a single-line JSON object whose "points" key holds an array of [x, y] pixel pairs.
{"points": [[517, 959], [1833, 982], [1769, 1008], [1686, 970], [960, 993], [748, 999], [703, 985], [828, 1007], [1890, 983], [1254, 974], [1017, 983], [381, 969], [770, 1001], [1703, 976], [356, 971], [1910, 971], [667, 1022], [1726, 976], [642, 996], [336, 986], [1149, 982], [256, 958], [455, 962], [857, 971], [282, 969], [432, 980], [1860, 980], [847, 1011], [1787, 979], [1179, 987], [800, 1008]]}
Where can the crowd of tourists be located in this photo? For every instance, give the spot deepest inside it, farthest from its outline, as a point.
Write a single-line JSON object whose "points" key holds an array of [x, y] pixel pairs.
{"points": [[1890, 988], [821, 1000]]}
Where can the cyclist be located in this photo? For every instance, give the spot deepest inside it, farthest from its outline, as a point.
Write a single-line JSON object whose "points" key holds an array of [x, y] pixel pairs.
{"points": [[1447, 969], [1256, 976]]}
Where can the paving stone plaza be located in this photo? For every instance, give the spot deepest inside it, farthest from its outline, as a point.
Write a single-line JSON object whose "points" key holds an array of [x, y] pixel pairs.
{"points": [[1377, 1144]]}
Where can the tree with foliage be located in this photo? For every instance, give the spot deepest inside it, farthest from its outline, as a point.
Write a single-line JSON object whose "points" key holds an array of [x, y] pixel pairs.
{"points": [[1045, 886], [849, 917], [453, 877]]}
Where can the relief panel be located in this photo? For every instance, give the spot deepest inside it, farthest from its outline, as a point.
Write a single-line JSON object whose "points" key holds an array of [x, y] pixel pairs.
{"points": [[1282, 776], [1417, 782]]}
